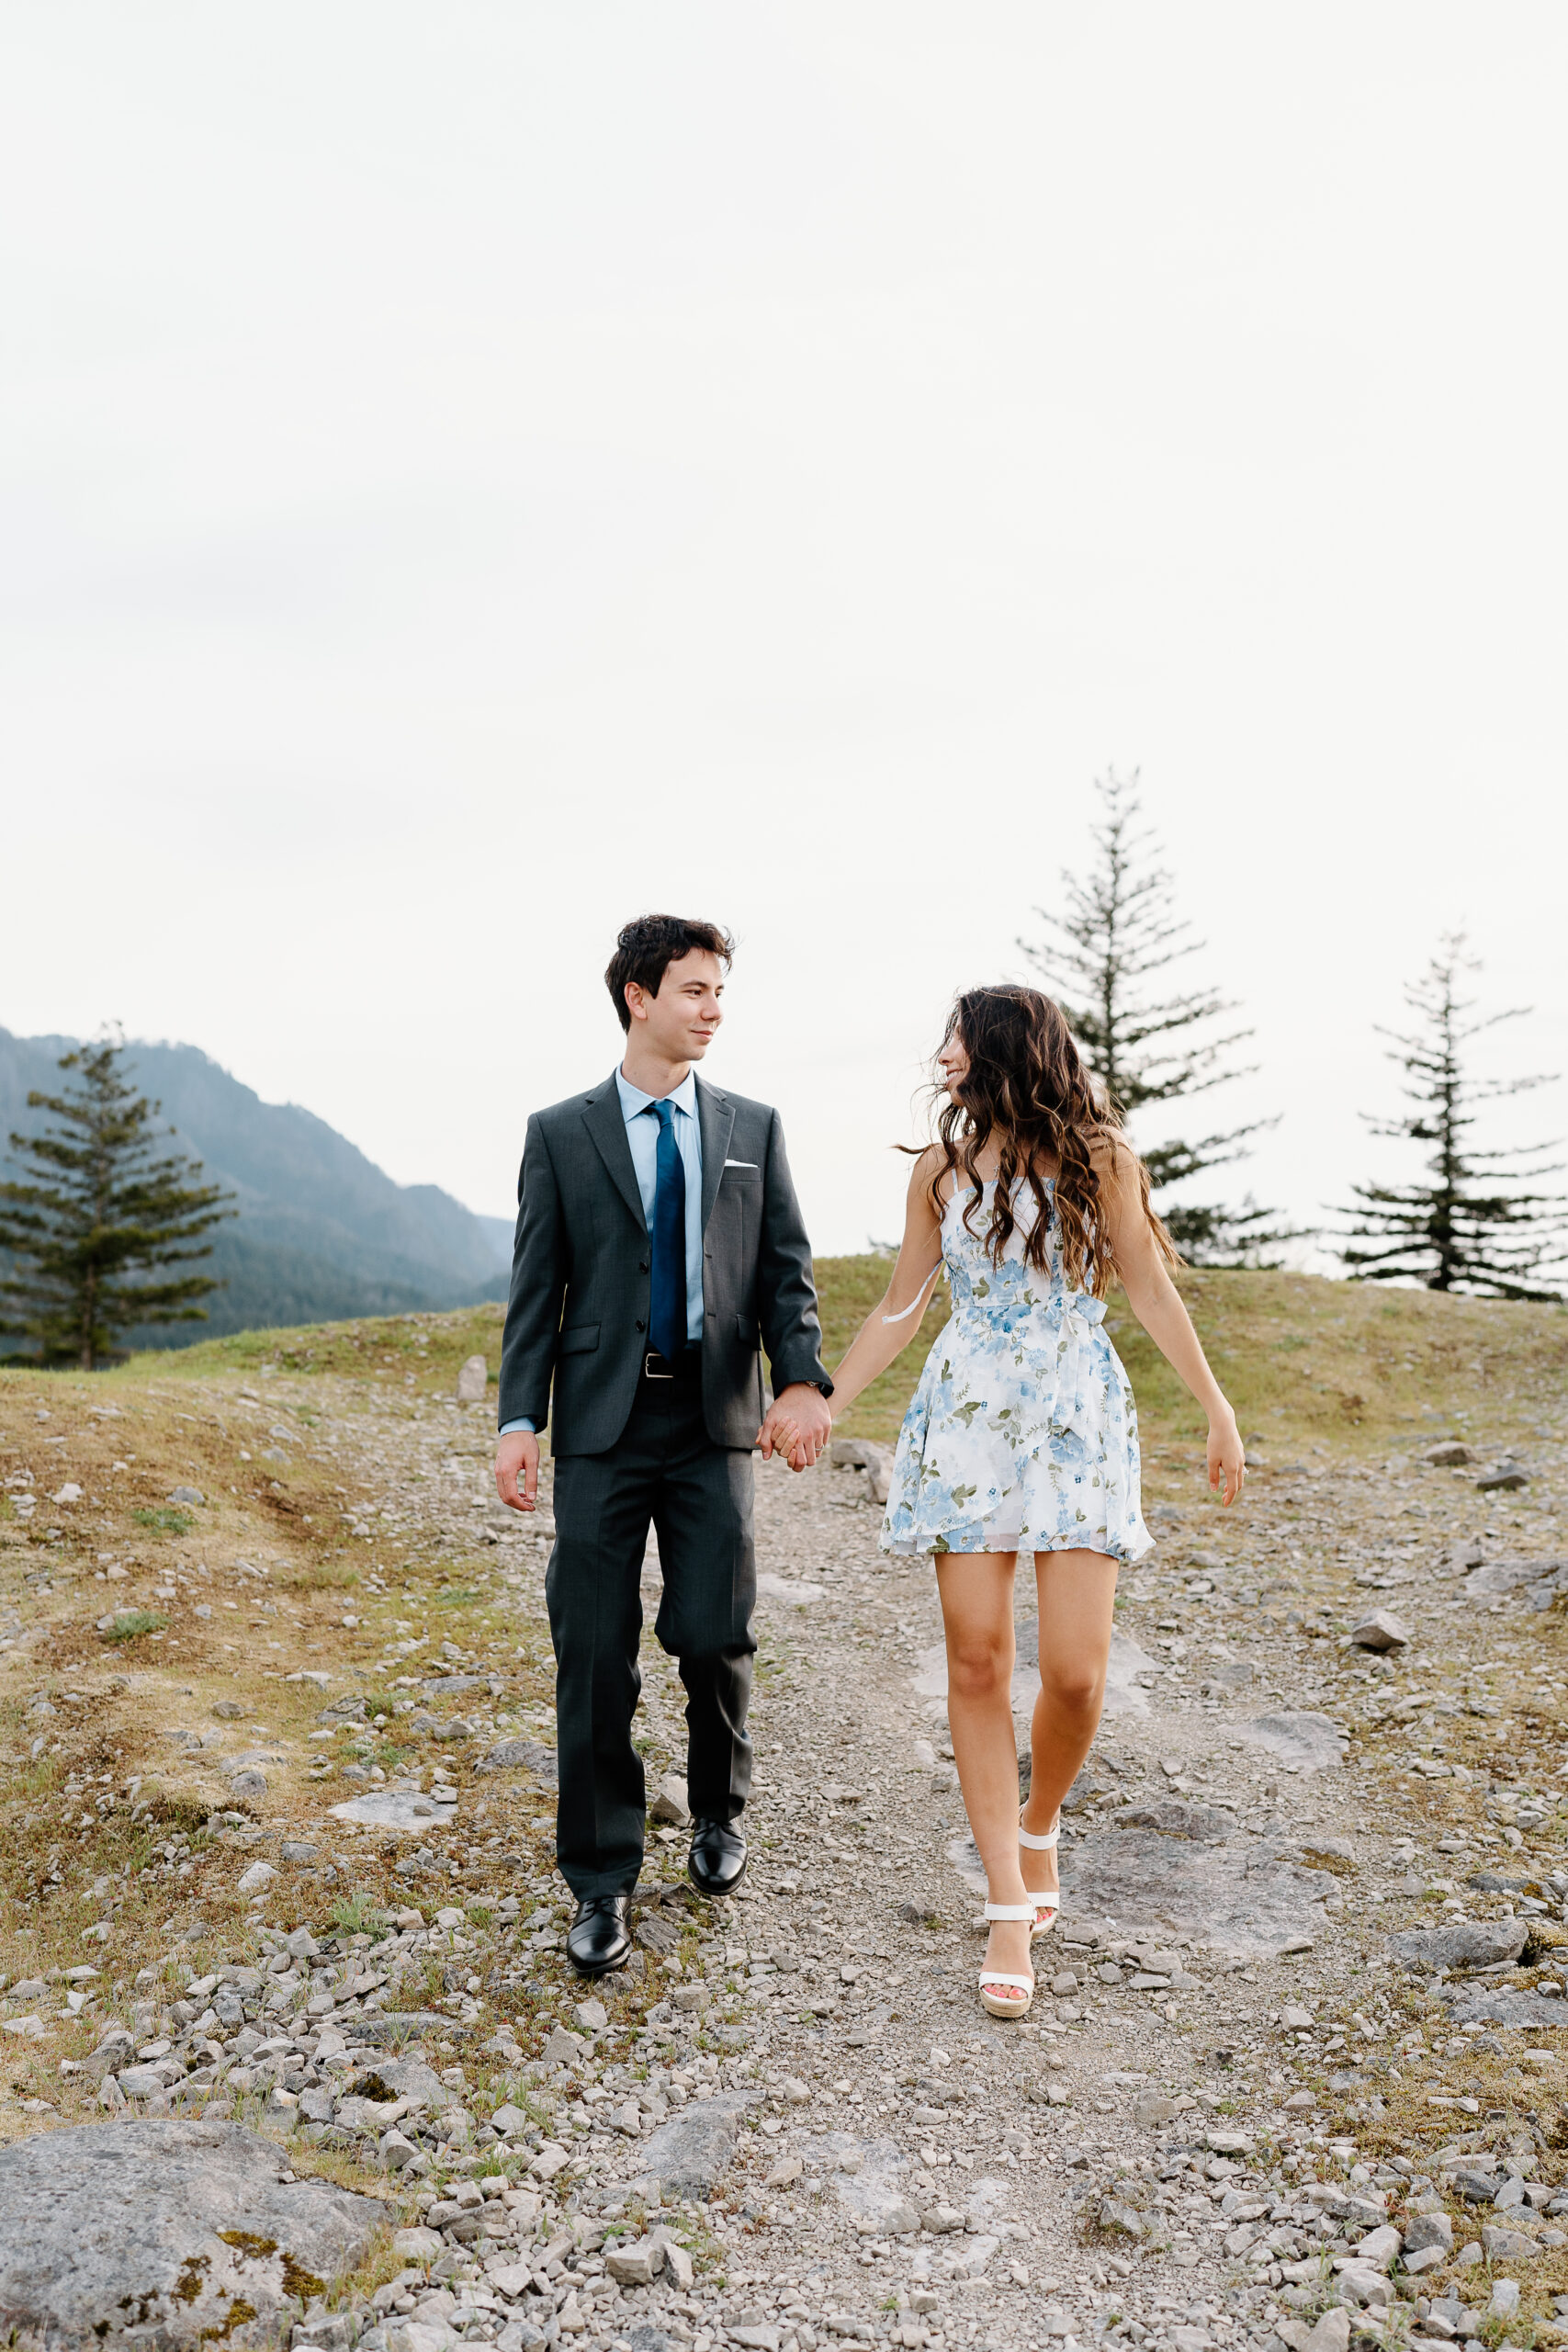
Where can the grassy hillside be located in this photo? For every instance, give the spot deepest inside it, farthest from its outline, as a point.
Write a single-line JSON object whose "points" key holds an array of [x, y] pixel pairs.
{"points": [[1301, 1357], [194, 1547]]}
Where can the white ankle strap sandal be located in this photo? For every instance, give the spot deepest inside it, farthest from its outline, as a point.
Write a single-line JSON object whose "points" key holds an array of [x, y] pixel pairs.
{"points": [[1048, 1902], [1018, 1991]]}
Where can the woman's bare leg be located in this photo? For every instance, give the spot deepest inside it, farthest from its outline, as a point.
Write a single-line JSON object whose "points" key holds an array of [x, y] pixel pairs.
{"points": [[1078, 1594], [976, 1589]]}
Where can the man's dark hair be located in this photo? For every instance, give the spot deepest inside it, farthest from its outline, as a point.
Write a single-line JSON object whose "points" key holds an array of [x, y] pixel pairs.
{"points": [[647, 947]]}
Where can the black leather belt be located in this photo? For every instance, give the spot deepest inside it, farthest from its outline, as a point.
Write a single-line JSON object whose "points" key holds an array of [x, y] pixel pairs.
{"points": [[688, 1365]]}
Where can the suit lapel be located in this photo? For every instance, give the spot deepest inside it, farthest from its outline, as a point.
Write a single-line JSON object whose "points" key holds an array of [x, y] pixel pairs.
{"points": [[605, 1124], [715, 1125]]}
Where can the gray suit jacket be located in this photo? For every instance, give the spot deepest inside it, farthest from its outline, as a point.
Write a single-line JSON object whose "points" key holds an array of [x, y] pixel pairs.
{"points": [[581, 1270]]}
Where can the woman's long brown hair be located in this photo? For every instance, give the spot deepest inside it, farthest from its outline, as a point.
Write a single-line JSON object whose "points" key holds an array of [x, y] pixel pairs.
{"points": [[1027, 1090]]}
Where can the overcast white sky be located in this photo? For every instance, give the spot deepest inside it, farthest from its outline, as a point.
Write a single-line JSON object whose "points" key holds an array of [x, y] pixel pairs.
{"points": [[470, 474]]}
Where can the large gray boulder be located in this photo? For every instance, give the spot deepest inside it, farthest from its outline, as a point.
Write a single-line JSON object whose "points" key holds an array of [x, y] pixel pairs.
{"points": [[525, 1755], [691, 2153], [1469, 1943], [1173, 1818], [1301, 1738], [161, 2234]]}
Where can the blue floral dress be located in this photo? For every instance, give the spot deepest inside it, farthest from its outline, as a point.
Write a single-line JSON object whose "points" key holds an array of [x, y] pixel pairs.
{"points": [[1023, 1434]]}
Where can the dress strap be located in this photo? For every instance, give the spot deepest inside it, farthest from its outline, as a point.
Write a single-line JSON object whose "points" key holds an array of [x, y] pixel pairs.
{"points": [[904, 1316]]}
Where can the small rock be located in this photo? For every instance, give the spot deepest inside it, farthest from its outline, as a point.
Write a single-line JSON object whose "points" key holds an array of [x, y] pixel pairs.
{"points": [[1507, 1478], [592, 2016], [1381, 1631], [637, 2265], [677, 2261], [1116, 2215], [473, 1381], [1429, 2231], [787, 2169], [416, 2244], [1332, 2332], [1504, 2299], [188, 1495], [1380, 2246], [942, 2220], [1448, 1454], [670, 1804], [252, 1881], [1422, 2258], [560, 2047], [1502, 2245], [1152, 2109]]}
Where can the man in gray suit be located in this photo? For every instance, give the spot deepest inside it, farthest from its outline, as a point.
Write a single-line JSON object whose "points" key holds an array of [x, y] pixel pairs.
{"points": [[659, 1250]]}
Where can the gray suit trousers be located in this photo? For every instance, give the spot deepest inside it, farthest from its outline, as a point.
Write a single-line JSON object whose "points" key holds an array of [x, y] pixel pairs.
{"points": [[665, 1470]]}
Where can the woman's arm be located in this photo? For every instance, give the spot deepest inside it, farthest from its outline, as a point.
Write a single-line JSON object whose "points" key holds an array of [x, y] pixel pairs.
{"points": [[1154, 1299], [894, 1319]]}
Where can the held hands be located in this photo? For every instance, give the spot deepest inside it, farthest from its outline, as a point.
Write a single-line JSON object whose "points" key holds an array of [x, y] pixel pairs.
{"points": [[519, 1453], [798, 1425], [1225, 1459]]}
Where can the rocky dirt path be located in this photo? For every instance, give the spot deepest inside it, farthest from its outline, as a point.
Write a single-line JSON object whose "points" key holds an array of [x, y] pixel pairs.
{"points": [[1298, 2070]]}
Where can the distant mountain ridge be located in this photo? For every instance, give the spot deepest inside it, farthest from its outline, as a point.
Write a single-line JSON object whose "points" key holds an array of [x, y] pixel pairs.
{"points": [[323, 1232]]}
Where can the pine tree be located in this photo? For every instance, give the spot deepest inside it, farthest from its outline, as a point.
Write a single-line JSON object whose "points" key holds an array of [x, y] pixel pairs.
{"points": [[1467, 1229], [1145, 1046], [102, 1209]]}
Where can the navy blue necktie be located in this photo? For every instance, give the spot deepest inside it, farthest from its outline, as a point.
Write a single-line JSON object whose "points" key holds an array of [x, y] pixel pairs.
{"points": [[667, 1317]]}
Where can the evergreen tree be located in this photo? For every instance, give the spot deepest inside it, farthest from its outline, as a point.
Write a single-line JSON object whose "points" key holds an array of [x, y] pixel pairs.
{"points": [[102, 1210], [1146, 1045], [1467, 1229]]}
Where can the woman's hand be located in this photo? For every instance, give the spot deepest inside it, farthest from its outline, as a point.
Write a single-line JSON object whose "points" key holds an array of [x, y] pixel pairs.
{"points": [[1225, 1455]]}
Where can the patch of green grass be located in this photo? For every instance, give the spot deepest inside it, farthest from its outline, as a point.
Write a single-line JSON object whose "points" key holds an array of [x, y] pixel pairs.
{"points": [[165, 1522], [358, 1915], [377, 1348], [455, 1600], [131, 1623], [322, 1576]]}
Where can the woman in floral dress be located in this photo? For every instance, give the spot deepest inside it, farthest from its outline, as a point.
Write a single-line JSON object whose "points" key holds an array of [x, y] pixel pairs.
{"points": [[1022, 1435]]}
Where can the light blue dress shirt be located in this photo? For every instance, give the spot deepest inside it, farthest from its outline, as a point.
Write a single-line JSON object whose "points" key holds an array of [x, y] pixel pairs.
{"points": [[642, 1135]]}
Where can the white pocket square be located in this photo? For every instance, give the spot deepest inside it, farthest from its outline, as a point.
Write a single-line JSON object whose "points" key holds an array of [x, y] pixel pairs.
{"points": [[740, 1163]]}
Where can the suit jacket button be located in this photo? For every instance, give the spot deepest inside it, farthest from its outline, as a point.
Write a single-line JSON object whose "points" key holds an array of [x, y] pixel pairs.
{"points": [[642, 1265], [639, 1327]]}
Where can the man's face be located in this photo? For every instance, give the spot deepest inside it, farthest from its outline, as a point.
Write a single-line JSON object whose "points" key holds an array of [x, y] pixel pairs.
{"points": [[680, 1022]]}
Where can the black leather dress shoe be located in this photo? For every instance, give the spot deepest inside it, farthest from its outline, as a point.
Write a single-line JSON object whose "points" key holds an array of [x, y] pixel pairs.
{"points": [[598, 1939], [716, 1863]]}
